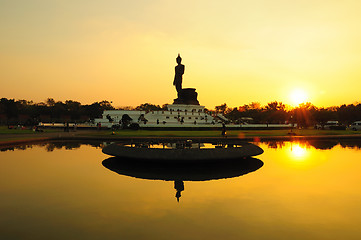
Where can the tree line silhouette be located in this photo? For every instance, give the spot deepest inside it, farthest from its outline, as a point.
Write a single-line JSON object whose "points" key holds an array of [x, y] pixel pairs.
{"points": [[304, 115], [29, 113]]}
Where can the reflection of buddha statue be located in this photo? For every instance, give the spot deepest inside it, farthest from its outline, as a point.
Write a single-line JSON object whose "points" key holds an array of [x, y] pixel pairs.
{"points": [[178, 77], [178, 173], [179, 186]]}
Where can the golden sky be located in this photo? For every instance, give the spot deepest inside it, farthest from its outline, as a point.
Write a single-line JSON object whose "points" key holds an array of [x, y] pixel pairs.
{"points": [[235, 51]]}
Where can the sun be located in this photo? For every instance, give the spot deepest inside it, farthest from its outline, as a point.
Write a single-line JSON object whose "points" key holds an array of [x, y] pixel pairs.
{"points": [[298, 96]]}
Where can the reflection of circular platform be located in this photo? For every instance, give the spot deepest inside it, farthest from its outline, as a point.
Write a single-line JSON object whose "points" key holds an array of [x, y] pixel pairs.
{"points": [[187, 96], [196, 171]]}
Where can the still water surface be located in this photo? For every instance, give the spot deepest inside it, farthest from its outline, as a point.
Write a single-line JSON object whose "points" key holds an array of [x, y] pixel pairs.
{"points": [[294, 190]]}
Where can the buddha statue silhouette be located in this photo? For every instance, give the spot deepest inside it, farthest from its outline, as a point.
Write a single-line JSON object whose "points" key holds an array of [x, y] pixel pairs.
{"points": [[186, 96], [178, 77]]}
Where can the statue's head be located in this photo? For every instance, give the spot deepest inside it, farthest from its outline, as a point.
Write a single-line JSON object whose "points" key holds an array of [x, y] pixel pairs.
{"points": [[179, 59]]}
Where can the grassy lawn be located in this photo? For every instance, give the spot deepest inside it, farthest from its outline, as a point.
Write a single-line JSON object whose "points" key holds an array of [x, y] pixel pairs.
{"points": [[20, 134], [5, 130], [17, 134]]}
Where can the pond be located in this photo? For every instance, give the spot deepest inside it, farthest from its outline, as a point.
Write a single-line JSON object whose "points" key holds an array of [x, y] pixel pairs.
{"points": [[294, 190]]}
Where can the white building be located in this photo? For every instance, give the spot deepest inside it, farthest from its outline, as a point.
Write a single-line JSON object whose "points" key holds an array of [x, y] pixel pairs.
{"points": [[176, 115]]}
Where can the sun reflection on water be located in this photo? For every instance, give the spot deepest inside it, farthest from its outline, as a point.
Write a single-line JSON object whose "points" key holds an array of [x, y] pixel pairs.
{"points": [[298, 152], [300, 155]]}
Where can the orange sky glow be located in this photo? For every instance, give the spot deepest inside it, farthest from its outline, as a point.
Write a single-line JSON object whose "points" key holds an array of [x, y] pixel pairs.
{"points": [[235, 52]]}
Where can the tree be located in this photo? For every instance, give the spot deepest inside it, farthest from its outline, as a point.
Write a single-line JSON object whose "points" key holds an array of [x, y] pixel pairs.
{"points": [[73, 108], [164, 106], [274, 112], [252, 110], [303, 115], [126, 120], [234, 115], [275, 106], [106, 105], [9, 108], [93, 111], [323, 115], [129, 108], [255, 105], [50, 102], [148, 107], [221, 108]]}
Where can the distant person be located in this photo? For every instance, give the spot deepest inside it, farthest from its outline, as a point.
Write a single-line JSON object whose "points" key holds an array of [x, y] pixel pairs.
{"points": [[224, 132], [37, 129]]}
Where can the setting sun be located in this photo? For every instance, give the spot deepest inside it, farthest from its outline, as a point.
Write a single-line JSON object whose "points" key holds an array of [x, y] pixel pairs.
{"points": [[298, 96]]}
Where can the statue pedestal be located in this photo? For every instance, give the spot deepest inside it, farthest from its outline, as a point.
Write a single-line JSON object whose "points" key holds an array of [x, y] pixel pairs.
{"points": [[187, 96]]}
